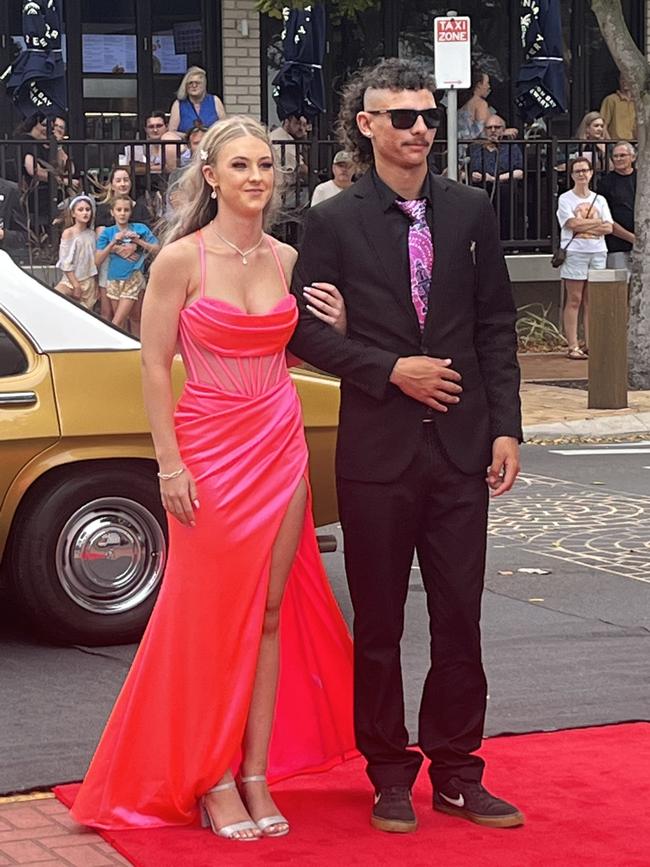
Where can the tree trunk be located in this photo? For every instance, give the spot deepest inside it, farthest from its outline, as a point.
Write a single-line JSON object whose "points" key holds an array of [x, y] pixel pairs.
{"points": [[634, 65]]}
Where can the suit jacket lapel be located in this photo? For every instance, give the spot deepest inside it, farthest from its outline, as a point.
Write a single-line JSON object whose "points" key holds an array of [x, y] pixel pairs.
{"points": [[382, 243], [443, 243]]}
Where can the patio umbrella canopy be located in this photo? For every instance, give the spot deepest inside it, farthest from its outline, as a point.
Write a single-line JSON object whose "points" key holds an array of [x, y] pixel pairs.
{"points": [[298, 87], [37, 80], [541, 86]]}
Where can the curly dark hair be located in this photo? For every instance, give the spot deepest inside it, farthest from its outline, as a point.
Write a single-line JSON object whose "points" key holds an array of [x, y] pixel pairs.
{"points": [[390, 74]]}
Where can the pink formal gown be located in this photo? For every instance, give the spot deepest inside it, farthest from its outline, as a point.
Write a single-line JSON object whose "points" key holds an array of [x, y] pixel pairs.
{"points": [[179, 721]]}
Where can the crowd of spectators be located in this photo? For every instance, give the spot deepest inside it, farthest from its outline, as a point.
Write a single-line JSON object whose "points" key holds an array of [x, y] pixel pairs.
{"points": [[144, 181]]}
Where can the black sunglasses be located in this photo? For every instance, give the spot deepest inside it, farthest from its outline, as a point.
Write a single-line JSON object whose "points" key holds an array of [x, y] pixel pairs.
{"points": [[405, 118]]}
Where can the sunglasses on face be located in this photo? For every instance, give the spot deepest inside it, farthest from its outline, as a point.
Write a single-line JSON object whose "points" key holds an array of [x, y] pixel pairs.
{"points": [[405, 118]]}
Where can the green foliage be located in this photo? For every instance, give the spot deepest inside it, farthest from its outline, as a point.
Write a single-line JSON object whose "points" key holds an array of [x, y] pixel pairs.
{"points": [[535, 331], [337, 9]]}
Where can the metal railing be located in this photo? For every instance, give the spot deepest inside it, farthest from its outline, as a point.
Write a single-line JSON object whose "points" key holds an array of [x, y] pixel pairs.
{"points": [[524, 190]]}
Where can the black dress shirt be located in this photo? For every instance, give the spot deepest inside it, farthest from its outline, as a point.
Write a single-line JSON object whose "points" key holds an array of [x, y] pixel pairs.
{"points": [[398, 222]]}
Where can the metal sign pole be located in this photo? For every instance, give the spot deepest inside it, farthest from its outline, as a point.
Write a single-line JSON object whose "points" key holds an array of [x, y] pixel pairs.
{"points": [[452, 125], [452, 134]]}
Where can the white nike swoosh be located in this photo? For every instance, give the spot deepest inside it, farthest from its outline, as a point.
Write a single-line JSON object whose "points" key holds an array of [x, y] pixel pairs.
{"points": [[457, 802]]}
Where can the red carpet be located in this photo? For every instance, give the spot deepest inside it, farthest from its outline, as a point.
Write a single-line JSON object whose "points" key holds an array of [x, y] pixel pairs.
{"points": [[585, 793]]}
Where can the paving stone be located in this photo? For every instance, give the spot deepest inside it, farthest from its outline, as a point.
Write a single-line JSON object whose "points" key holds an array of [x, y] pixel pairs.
{"points": [[80, 838], [31, 833], [49, 807], [25, 851], [83, 856], [20, 816], [52, 863]]}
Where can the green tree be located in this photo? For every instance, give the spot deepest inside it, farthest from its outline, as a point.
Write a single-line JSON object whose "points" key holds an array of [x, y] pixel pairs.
{"points": [[632, 63], [336, 8]]}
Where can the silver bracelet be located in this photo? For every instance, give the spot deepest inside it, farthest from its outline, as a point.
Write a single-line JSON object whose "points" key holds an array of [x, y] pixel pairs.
{"points": [[166, 476]]}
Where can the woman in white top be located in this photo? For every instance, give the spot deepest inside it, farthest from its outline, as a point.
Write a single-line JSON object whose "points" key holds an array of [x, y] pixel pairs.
{"points": [[584, 219]]}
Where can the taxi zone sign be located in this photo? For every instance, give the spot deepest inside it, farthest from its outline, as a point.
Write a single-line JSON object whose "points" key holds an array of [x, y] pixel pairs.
{"points": [[452, 29], [452, 52]]}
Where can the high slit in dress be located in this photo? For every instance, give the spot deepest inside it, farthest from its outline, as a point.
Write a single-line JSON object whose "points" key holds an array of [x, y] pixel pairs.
{"points": [[179, 720]]}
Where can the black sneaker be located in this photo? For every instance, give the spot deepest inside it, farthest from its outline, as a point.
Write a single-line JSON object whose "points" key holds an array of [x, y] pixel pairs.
{"points": [[393, 810], [471, 800]]}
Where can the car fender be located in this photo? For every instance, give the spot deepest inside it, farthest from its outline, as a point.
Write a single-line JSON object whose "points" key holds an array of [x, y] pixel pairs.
{"points": [[70, 453]]}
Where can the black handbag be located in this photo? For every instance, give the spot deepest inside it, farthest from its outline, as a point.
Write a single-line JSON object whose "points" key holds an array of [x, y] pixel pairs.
{"points": [[559, 256]]}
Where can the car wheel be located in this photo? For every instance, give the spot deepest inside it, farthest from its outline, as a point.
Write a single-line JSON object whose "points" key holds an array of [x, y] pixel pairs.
{"points": [[88, 554]]}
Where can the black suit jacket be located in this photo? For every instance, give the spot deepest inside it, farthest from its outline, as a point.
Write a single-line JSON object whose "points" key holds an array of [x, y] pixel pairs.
{"points": [[11, 216], [470, 319]]}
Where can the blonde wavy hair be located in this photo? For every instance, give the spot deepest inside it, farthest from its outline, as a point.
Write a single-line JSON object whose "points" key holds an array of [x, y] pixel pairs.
{"points": [[192, 193], [587, 120], [181, 93]]}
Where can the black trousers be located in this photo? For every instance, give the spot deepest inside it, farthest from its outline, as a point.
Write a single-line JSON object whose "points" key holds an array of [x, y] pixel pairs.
{"points": [[442, 513]]}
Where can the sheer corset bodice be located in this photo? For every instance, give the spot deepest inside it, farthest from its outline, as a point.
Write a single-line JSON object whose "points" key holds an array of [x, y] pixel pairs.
{"points": [[235, 352], [231, 351]]}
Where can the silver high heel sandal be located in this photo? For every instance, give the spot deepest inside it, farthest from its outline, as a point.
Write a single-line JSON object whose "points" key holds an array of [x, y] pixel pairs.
{"points": [[267, 823], [228, 831]]}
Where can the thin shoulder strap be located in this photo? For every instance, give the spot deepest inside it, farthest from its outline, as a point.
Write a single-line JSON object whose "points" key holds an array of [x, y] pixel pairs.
{"points": [[199, 235], [272, 245]]}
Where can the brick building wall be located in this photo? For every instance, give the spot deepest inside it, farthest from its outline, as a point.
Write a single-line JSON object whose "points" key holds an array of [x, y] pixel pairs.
{"points": [[241, 57]]}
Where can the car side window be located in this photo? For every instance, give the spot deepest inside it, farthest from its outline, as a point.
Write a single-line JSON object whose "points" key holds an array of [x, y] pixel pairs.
{"points": [[12, 358]]}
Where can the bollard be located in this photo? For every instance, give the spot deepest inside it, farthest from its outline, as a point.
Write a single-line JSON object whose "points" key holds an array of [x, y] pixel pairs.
{"points": [[607, 339]]}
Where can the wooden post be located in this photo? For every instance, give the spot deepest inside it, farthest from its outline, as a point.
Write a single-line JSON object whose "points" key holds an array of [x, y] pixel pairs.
{"points": [[608, 339]]}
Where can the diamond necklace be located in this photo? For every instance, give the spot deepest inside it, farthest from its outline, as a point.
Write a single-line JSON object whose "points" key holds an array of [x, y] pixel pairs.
{"points": [[243, 253]]}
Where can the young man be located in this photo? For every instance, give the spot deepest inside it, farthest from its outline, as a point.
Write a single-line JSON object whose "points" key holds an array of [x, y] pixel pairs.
{"points": [[342, 169], [155, 126], [429, 399]]}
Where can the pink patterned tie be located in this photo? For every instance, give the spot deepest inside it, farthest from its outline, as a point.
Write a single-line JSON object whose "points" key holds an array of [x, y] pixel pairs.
{"points": [[420, 254]]}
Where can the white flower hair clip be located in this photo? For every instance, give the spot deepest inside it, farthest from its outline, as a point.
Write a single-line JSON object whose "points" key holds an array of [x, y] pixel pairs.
{"points": [[203, 154]]}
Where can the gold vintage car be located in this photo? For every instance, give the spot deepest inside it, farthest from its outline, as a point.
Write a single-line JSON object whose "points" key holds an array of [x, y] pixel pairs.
{"points": [[82, 530]]}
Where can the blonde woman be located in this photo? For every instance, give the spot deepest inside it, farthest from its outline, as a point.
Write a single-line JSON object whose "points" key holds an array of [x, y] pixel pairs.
{"points": [[218, 691], [193, 105], [592, 130]]}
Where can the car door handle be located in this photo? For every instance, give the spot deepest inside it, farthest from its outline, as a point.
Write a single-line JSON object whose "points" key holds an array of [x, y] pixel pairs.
{"points": [[17, 398]]}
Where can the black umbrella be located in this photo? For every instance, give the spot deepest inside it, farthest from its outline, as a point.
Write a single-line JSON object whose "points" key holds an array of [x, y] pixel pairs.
{"points": [[37, 80], [298, 87], [541, 85]]}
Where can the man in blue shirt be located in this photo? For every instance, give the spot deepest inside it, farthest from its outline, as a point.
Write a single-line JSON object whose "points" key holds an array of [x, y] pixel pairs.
{"points": [[496, 165]]}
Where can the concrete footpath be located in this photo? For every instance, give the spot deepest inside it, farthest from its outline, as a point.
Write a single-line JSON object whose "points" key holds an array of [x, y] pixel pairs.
{"points": [[558, 412]]}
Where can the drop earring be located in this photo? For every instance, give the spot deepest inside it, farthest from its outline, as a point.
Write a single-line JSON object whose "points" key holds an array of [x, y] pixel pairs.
{"points": [[213, 194]]}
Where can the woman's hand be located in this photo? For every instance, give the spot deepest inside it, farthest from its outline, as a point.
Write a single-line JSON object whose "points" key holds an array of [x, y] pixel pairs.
{"points": [[179, 497], [326, 303]]}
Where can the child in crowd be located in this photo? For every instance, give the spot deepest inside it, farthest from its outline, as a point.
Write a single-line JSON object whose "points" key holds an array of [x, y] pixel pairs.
{"points": [[125, 284], [77, 252], [119, 182]]}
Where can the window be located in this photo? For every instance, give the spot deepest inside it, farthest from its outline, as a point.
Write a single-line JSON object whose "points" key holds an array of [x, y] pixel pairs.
{"points": [[12, 360]]}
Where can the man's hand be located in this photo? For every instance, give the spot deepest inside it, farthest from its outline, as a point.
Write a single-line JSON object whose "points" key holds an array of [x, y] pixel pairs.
{"points": [[504, 468], [429, 380]]}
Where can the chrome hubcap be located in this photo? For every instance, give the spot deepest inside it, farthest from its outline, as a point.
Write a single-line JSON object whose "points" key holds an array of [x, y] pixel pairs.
{"points": [[110, 555]]}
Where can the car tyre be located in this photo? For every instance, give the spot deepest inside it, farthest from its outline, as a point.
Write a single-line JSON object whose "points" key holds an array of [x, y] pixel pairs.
{"points": [[88, 553]]}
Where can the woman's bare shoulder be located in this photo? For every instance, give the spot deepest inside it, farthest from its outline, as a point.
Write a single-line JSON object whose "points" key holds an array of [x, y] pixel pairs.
{"points": [[288, 254], [178, 258], [67, 234]]}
